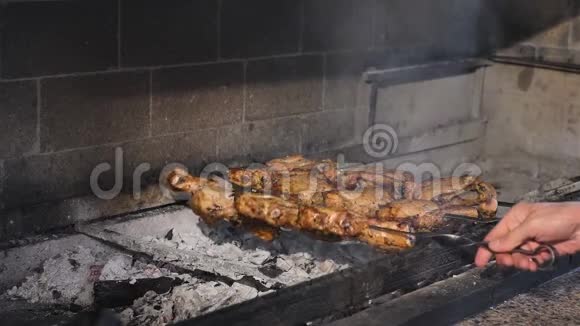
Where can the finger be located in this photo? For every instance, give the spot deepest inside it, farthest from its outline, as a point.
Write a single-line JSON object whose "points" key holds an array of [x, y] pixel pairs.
{"points": [[482, 257], [504, 260], [521, 261], [544, 257], [538, 259], [567, 247], [514, 238], [510, 221], [533, 265]]}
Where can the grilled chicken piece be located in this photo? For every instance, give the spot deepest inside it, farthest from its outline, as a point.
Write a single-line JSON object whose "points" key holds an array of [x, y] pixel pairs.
{"points": [[465, 211], [387, 240], [273, 210], [295, 163], [210, 199], [406, 208], [278, 212], [282, 213], [435, 219], [423, 214], [307, 200], [365, 202], [331, 221], [398, 183], [466, 198], [441, 188], [489, 204], [305, 187], [301, 181], [290, 163], [258, 179], [283, 181], [483, 195]]}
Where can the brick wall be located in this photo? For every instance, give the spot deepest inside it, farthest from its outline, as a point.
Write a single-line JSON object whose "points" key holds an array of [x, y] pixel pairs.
{"points": [[191, 81], [534, 113], [541, 30]]}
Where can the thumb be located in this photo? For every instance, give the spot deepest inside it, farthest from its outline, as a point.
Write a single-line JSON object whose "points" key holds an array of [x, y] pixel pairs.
{"points": [[512, 240]]}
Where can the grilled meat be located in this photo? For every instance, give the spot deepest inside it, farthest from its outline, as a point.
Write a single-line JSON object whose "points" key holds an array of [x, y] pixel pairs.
{"points": [[441, 188], [406, 208], [387, 240], [301, 194], [278, 212], [301, 182], [422, 214], [365, 202], [483, 195], [488, 194], [258, 179], [270, 209], [212, 200], [435, 219], [279, 181], [398, 183], [291, 163]]}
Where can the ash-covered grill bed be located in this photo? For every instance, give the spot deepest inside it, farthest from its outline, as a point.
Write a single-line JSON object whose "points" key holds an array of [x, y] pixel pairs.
{"points": [[242, 280]]}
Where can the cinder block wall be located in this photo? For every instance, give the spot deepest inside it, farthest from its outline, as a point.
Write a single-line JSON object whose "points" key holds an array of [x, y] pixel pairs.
{"points": [[533, 131], [191, 81]]}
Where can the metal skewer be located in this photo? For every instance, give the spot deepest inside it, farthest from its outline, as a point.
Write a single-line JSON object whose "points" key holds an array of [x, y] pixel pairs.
{"points": [[459, 241], [479, 221]]}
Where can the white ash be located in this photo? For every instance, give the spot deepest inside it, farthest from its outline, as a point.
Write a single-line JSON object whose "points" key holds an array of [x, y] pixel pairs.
{"points": [[181, 238], [121, 267], [184, 302], [296, 260], [68, 278], [64, 279]]}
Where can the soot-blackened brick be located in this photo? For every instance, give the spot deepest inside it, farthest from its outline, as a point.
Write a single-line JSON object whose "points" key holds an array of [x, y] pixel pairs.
{"points": [[161, 32], [92, 110], [283, 86], [40, 178], [337, 24], [45, 38], [260, 27], [18, 119], [343, 72], [268, 139], [197, 97], [327, 130], [231, 144], [57, 176]]}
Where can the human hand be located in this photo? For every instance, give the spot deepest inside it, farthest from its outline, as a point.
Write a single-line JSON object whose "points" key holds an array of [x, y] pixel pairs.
{"points": [[527, 224]]}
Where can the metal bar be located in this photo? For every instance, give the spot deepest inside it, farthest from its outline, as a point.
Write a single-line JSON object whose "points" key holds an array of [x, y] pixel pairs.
{"points": [[564, 67], [373, 105], [428, 71]]}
